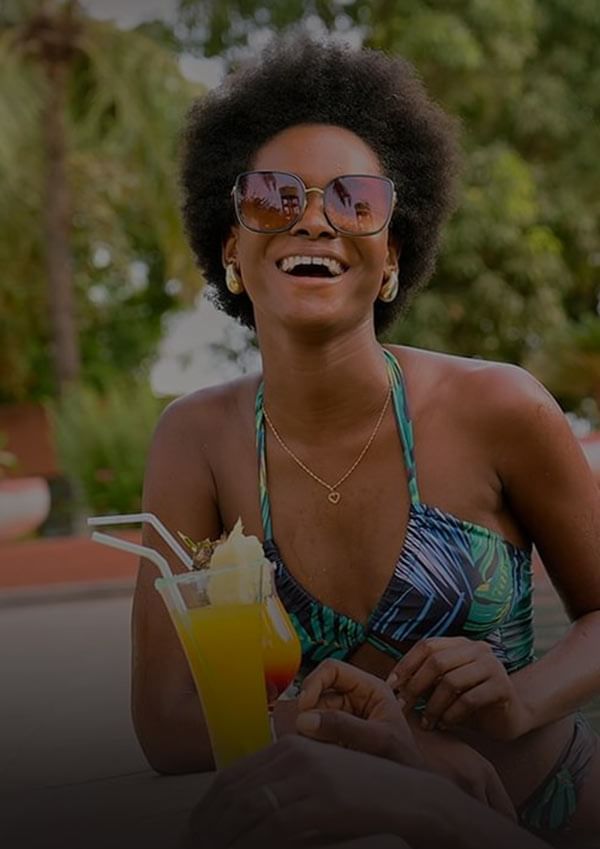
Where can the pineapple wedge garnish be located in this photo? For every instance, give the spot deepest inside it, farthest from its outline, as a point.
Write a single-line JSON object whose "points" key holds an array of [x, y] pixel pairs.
{"points": [[227, 586]]}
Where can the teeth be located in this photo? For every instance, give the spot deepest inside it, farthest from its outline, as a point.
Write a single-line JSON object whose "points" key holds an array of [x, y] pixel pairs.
{"points": [[288, 263]]}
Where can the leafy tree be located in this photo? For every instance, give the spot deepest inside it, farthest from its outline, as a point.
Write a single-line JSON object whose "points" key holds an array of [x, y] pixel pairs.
{"points": [[103, 440], [569, 362], [522, 256], [92, 253]]}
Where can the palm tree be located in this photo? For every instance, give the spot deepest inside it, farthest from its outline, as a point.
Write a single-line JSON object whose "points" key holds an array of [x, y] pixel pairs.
{"points": [[89, 118], [51, 38]]}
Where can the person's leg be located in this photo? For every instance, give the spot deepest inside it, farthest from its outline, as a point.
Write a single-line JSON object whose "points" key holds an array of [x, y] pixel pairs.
{"points": [[587, 814], [563, 801]]}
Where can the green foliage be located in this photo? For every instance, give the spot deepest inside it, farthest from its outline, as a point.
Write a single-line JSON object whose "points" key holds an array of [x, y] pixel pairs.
{"points": [[103, 440], [521, 259], [569, 363], [132, 265]]}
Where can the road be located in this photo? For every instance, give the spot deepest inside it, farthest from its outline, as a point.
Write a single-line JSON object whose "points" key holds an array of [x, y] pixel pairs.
{"points": [[64, 709]]}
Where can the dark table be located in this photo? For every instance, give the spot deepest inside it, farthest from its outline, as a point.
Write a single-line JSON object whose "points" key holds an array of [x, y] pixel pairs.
{"points": [[142, 810]]}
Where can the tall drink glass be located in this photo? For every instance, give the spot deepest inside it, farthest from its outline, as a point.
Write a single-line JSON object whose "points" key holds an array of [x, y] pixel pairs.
{"points": [[282, 652], [219, 618]]}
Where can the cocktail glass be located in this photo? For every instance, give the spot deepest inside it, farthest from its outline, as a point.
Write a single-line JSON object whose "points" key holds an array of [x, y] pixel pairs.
{"points": [[219, 618], [281, 647]]}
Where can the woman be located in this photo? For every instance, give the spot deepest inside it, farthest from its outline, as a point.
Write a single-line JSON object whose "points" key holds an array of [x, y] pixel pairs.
{"points": [[405, 488]]}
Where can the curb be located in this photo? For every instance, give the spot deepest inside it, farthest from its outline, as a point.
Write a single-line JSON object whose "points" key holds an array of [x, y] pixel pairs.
{"points": [[57, 593]]}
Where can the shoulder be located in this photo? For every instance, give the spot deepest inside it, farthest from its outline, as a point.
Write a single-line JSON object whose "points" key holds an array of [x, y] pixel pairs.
{"points": [[195, 435], [479, 389], [208, 411]]}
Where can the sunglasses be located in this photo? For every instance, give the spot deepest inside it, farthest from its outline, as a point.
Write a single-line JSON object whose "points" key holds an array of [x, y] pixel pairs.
{"points": [[274, 201]]}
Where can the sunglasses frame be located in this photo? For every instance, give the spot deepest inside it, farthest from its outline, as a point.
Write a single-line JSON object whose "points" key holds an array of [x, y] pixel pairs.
{"points": [[307, 190]]}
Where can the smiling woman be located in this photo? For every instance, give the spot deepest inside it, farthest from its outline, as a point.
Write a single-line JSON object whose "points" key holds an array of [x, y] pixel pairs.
{"points": [[329, 275], [402, 485]]}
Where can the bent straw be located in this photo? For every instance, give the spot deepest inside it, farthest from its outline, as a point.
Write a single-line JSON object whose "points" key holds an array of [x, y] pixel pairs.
{"points": [[134, 548], [150, 519], [142, 551]]}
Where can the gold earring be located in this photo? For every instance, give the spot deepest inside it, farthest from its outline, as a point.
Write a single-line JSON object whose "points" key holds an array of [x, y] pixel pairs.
{"points": [[389, 289], [233, 280]]}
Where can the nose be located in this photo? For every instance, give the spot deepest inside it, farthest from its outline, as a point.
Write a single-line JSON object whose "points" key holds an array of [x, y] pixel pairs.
{"points": [[313, 224]]}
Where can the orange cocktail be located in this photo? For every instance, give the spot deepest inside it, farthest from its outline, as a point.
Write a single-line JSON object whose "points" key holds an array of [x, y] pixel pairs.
{"points": [[219, 618], [281, 646]]}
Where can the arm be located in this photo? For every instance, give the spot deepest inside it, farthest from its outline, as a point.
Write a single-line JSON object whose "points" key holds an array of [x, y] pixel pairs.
{"points": [[549, 485], [323, 794], [179, 489]]}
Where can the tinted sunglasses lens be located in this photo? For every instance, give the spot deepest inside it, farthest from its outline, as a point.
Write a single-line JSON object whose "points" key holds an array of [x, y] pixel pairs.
{"points": [[359, 205], [267, 201]]}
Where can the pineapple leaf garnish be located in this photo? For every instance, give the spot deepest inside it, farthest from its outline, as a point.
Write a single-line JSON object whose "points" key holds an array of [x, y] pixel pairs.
{"points": [[201, 551]]}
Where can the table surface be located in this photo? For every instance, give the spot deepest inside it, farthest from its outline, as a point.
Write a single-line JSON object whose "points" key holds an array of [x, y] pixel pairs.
{"points": [[142, 810]]}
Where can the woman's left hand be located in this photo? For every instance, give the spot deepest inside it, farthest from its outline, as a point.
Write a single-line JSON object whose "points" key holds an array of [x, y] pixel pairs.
{"points": [[464, 684]]}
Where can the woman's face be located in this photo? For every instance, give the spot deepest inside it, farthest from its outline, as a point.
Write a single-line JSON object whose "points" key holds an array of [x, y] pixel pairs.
{"points": [[317, 153]]}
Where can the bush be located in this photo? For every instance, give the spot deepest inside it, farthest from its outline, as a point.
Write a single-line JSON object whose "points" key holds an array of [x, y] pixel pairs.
{"points": [[103, 440]]}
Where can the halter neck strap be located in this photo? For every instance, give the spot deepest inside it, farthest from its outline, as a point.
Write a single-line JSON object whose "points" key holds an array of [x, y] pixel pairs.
{"points": [[403, 422]]}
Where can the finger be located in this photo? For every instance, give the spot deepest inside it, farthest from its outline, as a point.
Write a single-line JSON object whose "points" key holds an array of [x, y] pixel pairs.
{"points": [[424, 679], [313, 821], [416, 672], [487, 694], [379, 707], [269, 764], [332, 701], [392, 741], [450, 688], [244, 806], [284, 716], [223, 825], [299, 824], [360, 687], [336, 676]]}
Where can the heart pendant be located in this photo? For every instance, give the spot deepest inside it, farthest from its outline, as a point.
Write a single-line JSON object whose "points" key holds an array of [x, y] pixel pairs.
{"points": [[333, 497]]}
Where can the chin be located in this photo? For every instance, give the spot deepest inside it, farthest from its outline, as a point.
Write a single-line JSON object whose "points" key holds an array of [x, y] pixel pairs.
{"points": [[318, 324]]}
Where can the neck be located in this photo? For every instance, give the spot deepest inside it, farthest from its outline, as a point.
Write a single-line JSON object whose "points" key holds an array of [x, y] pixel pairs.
{"points": [[314, 386]]}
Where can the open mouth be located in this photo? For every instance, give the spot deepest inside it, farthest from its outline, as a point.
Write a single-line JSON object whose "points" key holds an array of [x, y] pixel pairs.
{"points": [[312, 266]]}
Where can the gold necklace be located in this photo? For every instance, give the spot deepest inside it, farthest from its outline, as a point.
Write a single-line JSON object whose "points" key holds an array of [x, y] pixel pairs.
{"points": [[333, 495]]}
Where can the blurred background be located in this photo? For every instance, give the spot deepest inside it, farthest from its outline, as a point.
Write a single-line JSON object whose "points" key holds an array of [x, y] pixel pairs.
{"points": [[102, 315], [102, 318]]}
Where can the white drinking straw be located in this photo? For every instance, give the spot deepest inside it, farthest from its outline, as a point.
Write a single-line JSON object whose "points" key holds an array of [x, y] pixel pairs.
{"points": [[142, 551], [134, 548], [150, 519]]}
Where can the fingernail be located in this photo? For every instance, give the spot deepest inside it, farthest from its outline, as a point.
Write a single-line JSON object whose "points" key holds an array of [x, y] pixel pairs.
{"points": [[391, 679], [309, 721]]}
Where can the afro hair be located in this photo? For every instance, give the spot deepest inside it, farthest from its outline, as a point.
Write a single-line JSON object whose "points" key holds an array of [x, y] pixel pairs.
{"points": [[298, 80]]}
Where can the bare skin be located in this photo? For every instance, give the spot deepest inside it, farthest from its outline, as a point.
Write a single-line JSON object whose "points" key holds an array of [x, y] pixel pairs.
{"points": [[491, 448]]}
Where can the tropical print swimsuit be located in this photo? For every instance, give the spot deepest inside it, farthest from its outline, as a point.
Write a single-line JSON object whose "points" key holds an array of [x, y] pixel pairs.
{"points": [[451, 578]]}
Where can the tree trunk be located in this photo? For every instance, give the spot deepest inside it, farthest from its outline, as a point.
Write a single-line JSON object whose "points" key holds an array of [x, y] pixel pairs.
{"points": [[57, 205]]}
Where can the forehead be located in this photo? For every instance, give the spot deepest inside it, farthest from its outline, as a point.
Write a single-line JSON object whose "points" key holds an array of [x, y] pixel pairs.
{"points": [[317, 153]]}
